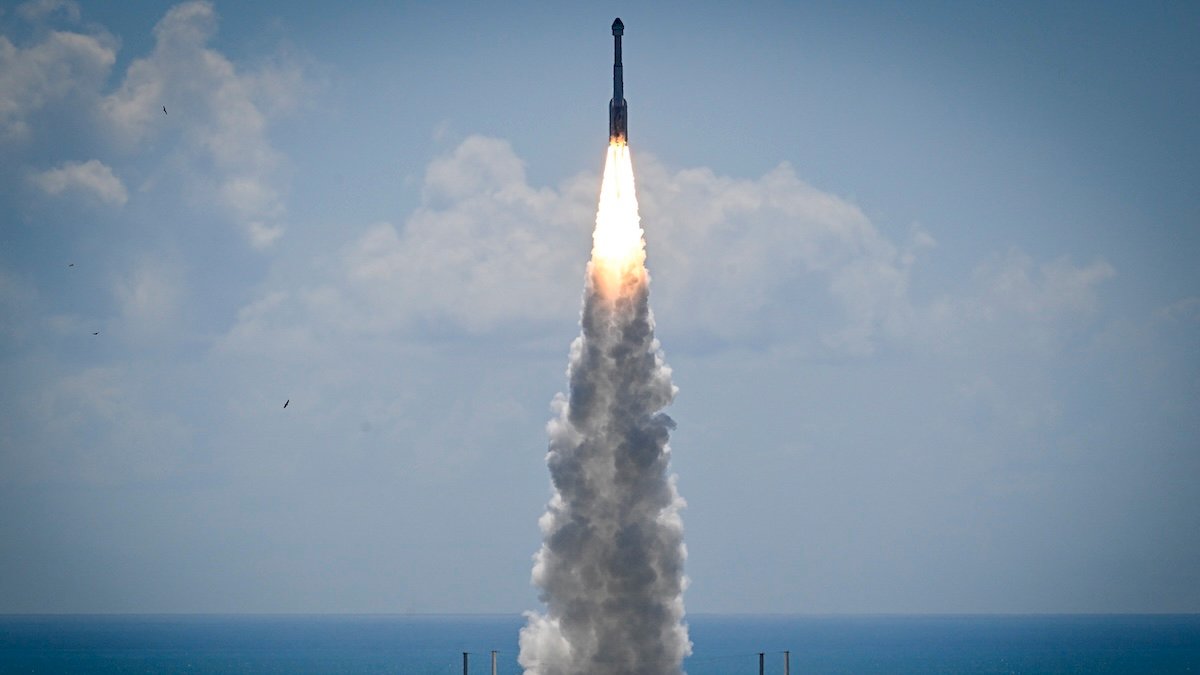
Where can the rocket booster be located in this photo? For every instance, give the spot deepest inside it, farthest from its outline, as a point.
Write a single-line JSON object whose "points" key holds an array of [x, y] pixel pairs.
{"points": [[618, 130]]}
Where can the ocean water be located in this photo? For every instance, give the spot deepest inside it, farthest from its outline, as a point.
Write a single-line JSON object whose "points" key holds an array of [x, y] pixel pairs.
{"points": [[724, 645]]}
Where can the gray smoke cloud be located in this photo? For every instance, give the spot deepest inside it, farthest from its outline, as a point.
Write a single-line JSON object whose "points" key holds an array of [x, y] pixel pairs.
{"points": [[611, 563]]}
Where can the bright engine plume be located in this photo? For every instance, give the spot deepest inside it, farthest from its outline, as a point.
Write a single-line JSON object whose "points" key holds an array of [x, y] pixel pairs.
{"points": [[610, 568], [618, 250]]}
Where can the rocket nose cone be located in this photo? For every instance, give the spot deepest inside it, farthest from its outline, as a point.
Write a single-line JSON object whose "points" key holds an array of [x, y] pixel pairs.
{"points": [[618, 27]]}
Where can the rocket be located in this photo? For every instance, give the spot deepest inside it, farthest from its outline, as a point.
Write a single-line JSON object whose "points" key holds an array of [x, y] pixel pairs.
{"points": [[618, 129]]}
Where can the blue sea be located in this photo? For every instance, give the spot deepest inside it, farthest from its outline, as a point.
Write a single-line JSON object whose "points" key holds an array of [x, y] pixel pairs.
{"points": [[724, 645]]}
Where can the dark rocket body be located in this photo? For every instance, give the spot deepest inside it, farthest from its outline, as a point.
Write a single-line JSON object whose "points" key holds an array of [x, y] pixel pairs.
{"points": [[618, 130]]}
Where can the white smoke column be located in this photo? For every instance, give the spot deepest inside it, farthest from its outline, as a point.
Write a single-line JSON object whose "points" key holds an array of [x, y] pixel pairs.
{"points": [[611, 563]]}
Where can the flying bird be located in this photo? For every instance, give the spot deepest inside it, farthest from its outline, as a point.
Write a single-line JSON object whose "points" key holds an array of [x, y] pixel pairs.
{"points": [[164, 110], [287, 402], [71, 265], [96, 333]]}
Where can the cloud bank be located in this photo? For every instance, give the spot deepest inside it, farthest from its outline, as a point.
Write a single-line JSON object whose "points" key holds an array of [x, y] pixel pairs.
{"points": [[734, 260]]}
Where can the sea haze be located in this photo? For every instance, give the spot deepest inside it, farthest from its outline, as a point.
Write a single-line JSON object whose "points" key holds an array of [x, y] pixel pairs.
{"points": [[724, 644]]}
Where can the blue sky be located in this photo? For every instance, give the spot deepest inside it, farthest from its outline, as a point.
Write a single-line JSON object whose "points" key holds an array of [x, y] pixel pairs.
{"points": [[925, 274]]}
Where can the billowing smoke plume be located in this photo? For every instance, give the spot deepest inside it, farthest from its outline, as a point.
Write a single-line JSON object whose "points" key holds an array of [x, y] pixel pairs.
{"points": [[611, 565]]}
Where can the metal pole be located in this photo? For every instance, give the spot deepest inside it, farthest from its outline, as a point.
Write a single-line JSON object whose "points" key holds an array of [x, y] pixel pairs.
{"points": [[787, 663], [760, 664], [493, 662], [464, 663]]}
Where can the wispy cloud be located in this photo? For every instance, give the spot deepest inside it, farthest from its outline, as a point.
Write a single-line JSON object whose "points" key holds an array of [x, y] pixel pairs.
{"points": [[149, 297], [38, 10], [1187, 309], [1012, 302], [98, 426]]}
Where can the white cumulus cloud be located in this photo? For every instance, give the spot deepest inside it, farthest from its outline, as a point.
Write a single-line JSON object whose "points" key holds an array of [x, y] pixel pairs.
{"points": [[732, 259], [742, 254], [92, 177], [487, 248], [484, 249], [61, 66], [220, 112]]}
